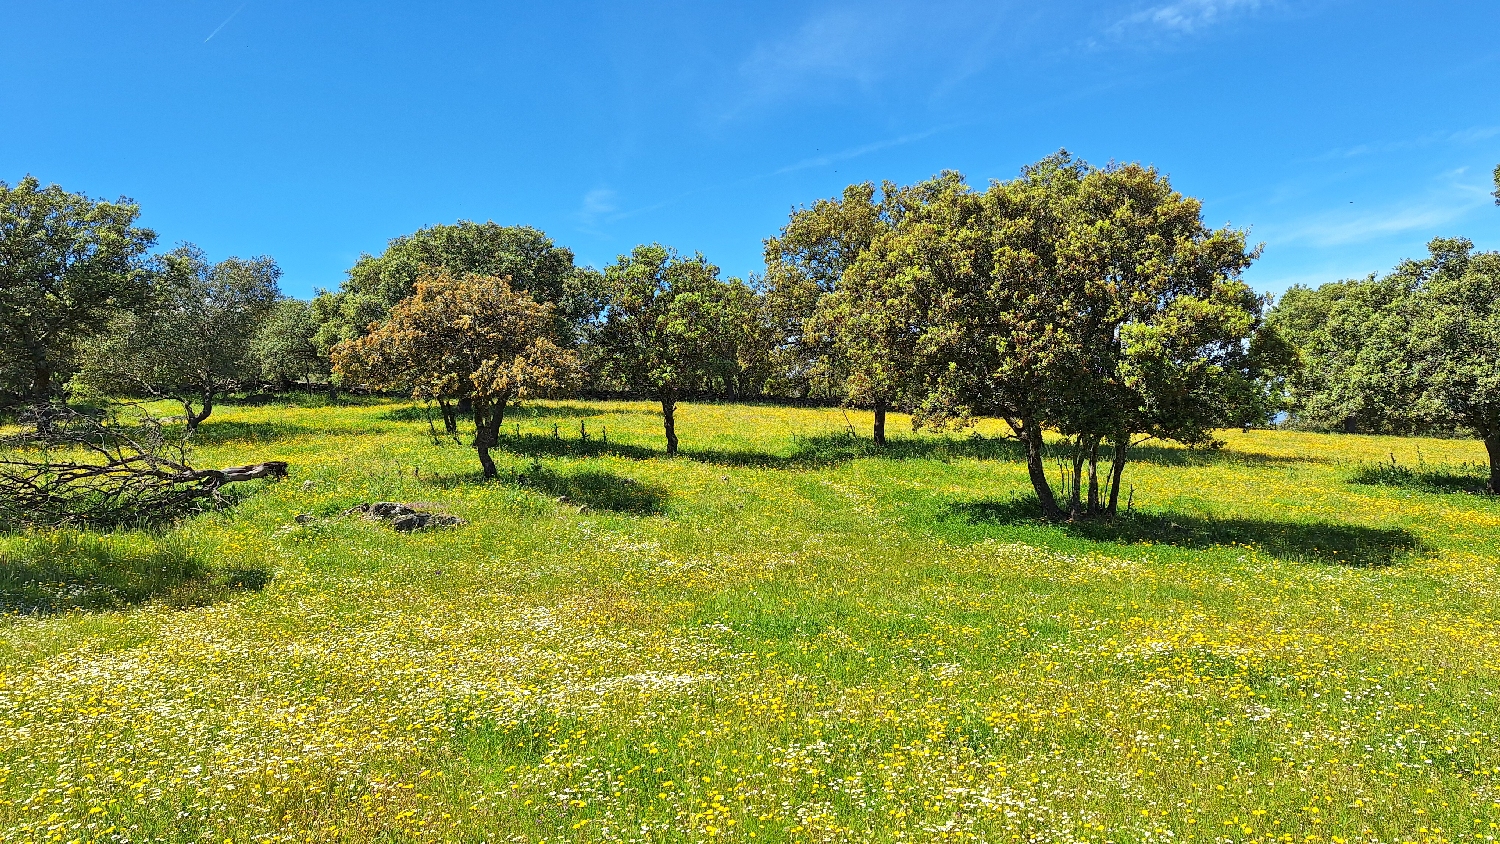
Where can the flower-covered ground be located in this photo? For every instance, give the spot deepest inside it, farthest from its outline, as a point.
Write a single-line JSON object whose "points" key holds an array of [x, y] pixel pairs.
{"points": [[782, 635]]}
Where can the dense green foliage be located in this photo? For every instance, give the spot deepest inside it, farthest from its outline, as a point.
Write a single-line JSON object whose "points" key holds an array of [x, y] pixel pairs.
{"points": [[285, 345], [1410, 352], [191, 340], [672, 329], [1088, 301], [67, 264], [525, 256]]}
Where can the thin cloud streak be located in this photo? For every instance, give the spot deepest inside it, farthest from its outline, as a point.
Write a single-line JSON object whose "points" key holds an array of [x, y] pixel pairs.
{"points": [[226, 21], [805, 164], [1184, 17], [1457, 200]]}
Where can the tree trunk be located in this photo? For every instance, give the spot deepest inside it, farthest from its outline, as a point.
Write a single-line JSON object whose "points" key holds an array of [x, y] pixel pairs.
{"points": [[1116, 473], [880, 408], [1075, 493], [196, 419], [1094, 477], [669, 421], [450, 418], [41, 385], [488, 417], [1492, 445], [1031, 435]]}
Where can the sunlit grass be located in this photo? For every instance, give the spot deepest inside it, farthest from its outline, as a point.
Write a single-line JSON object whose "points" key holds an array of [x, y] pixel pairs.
{"points": [[782, 635]]}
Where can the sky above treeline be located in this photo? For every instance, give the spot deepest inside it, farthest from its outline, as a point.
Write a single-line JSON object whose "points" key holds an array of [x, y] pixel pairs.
{"points": [[1343, 135]]}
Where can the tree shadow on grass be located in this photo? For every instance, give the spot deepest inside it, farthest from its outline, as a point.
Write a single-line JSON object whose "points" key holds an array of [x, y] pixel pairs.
{"points": [[532, 412], [218, 432], [832, 449], [591, 488], [1466, 477], [68, 571], [1316, 542], [537, 446]]}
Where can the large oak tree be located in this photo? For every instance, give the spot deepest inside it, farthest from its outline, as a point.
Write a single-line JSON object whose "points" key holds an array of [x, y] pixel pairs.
{"points": [[666, 320], [67, 264], [1093, 302]]}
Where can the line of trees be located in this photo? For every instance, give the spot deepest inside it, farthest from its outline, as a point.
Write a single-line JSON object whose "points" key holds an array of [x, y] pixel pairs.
{"points": [[1091, 303], [1416, 351]]}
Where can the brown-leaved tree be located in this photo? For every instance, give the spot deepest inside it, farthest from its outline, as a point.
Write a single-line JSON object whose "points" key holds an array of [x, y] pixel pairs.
{"points": [[463, 338]]}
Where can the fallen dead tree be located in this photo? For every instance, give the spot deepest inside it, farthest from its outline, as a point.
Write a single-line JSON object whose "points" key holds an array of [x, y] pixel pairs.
{"points": [[67, 468]]}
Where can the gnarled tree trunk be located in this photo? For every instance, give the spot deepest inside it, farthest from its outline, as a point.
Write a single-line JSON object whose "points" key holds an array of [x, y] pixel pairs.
{"points": [[489, 415], [669, 421], [1030, 432], [196, 419]]}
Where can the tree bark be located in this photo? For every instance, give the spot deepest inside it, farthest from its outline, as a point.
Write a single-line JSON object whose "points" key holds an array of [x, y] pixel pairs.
{"points": [[41, 385], [450, 418], [488, 417], [1116, 473], [880, 408], [1030, 432], [1094, 505], [196, 419], [669, 421], [1492, 445]]}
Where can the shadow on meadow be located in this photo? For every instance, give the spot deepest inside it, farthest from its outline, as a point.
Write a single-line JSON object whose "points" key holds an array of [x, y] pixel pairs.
{"points": [[591, 488], [220, 431], [1320, 542], [65, 571], [1466, 477], [832, 449], [528, 412]]}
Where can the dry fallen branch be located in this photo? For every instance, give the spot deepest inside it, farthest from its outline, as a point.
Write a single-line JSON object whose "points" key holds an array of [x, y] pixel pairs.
{"points": [[73, 469]]}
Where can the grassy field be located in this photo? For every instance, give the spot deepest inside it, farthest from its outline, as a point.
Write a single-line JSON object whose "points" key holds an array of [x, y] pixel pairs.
{"points": [[779, 636]]}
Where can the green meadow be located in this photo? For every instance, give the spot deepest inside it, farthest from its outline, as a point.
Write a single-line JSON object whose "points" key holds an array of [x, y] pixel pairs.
{"points": [[783, 634]]}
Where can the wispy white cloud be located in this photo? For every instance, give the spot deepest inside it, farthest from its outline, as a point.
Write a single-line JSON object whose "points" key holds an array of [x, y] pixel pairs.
{"points": [[1474, 134], [1457, 194], [1183, 16], [597, 203], [854, 152], [862, 46]]}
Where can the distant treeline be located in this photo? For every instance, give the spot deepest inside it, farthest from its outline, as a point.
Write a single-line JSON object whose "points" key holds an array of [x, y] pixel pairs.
{"points": [[1090, 302]]}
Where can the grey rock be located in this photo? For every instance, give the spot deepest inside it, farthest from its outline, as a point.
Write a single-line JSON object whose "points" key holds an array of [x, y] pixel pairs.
{"points": [[404, 517], [304, 518]]}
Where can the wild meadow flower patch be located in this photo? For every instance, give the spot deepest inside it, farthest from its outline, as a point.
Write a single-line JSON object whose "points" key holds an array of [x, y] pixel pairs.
{"points": [[781, 635]]}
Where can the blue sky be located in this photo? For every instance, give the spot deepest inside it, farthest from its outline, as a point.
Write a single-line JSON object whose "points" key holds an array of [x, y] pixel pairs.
{"points": [[1344, 135]]}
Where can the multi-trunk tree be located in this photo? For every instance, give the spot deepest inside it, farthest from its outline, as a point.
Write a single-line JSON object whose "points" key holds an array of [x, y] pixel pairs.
{"points": [[471, 338], [1091, 302], [192, 340]]}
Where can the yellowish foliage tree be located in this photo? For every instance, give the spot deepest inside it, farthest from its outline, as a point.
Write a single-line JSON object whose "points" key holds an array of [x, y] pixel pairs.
{"points": [[468, 338]]}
